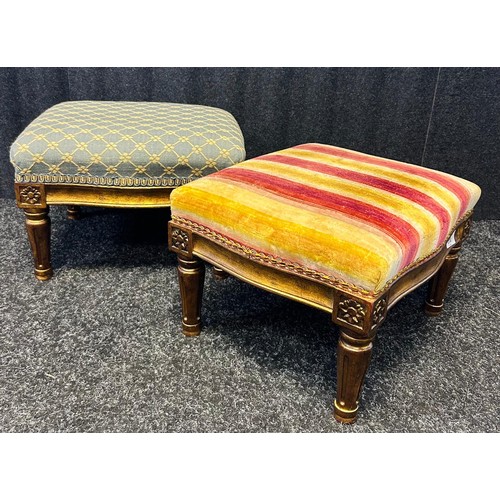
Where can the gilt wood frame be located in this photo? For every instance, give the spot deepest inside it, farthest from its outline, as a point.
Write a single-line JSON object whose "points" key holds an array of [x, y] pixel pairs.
{"points": [[35, 199], [358, 313], [29, 195]]}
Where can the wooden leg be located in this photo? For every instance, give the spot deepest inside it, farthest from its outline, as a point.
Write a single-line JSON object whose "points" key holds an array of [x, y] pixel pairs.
{"points": [[439, 283], [219, 274], [191, 279], [74, 212], [353, 358], [38, 227]]}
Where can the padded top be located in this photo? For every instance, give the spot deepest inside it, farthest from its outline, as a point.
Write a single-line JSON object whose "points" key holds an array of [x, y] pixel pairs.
{"points": [[330, 213], [126, 144]]}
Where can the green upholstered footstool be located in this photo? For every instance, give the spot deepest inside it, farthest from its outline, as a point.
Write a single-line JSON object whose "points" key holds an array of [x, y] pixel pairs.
{"points": [[342, 231], [117, 154]]}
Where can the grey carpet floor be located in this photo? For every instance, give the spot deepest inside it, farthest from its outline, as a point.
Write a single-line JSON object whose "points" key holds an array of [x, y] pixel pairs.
{"points": [[99, 347]]}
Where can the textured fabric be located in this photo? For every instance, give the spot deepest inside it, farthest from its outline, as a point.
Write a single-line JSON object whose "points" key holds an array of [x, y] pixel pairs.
{"points": [[126, 143], [333, 214]]}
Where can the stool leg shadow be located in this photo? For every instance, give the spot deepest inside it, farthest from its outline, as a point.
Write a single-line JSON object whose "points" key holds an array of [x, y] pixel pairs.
{"points": [[191, 280], [38, 228], [438, 285]]}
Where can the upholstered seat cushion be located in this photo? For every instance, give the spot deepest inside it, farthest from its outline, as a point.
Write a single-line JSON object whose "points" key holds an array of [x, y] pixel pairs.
{"points": [[126, 144], [329, 213]]}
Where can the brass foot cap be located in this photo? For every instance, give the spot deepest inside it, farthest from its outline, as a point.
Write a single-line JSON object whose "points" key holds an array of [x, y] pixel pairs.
{"points": [[432, 309], [343, 420], [43, 274], [73, 213], [219, 274], [343, 415], [191, 330]]}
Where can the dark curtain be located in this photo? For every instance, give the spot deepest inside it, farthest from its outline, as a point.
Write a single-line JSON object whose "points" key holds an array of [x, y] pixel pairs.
{"points": [[446, 118]]}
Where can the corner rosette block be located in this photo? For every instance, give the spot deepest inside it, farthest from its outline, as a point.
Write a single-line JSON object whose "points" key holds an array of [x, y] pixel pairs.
{"points": [[180, 240]]}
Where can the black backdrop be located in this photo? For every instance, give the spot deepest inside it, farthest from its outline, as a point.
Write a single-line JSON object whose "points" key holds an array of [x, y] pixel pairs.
{"points": [[447, 118]]}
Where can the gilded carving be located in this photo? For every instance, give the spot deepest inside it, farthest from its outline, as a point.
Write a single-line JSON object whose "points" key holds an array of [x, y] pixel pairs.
{"points": [[379, 311], [30, 195], [351, 311], [180, 239]]}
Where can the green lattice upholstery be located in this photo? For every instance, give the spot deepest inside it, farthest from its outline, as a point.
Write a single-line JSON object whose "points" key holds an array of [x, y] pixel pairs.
{"points": [[126, 144]]}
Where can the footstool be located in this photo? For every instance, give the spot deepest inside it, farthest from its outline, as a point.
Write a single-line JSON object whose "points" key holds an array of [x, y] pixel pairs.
{"points": [[340, 230], [115, 154]]}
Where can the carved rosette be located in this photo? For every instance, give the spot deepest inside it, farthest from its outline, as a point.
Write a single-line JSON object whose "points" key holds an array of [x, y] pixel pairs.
{"points": [[359, 315], [379, 311], [180, 240], [30, 195], [351, 311]]}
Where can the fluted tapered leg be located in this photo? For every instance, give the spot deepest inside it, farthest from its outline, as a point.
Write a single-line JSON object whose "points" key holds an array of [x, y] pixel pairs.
{"points": [[74, 212], [38, 227], [191, 279], [438, 285], [353, 359]]}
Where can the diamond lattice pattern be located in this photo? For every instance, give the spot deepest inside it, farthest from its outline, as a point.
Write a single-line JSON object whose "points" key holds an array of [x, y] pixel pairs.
{"points": [[126, 143]]}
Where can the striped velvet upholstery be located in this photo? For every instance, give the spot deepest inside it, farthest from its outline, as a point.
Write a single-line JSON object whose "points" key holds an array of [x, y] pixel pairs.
{"points": [[336, 215]]}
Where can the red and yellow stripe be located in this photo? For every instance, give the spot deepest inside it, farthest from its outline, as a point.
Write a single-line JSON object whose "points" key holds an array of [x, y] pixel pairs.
{"points": [[345, 214]]}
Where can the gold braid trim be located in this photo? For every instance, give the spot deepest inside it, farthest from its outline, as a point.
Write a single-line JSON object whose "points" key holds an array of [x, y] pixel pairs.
{"points": [[298, 269], [101, 181]]}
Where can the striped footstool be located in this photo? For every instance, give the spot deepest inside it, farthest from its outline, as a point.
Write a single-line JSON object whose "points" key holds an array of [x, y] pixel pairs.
{"points": [[342, 231], [116, 154]]}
